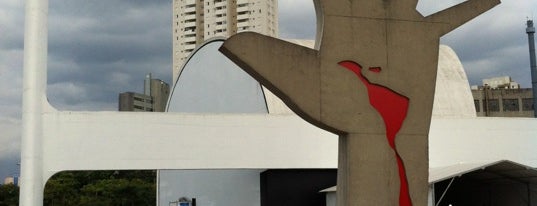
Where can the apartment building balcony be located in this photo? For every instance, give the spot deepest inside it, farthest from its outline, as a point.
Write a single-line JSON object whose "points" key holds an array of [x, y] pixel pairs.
{"points": [[189, 39], [189, 10], [220, 4], [220, 11], [221, 26], [185, 44], [190, 18], [242, 1], [218, 18], [189, 46], [243, 14], [189, 24], [190, 32], [242, 8], [190, 2], [243, 24]]}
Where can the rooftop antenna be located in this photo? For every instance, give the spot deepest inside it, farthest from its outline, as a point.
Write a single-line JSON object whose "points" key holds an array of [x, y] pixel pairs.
{"points": [[530, 30]]}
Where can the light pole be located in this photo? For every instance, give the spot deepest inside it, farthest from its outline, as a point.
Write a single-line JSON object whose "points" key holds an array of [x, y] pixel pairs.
{"points": [[530, 30]]}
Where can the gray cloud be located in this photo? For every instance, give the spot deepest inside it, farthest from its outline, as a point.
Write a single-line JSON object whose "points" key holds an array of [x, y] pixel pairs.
{"points": [[9, 145], [297, 19], [495, 44], [99, 49], [11, 25], [11, 53]]}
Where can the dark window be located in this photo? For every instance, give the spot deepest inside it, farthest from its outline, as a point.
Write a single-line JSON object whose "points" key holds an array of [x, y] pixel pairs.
{"points": [[294, 187], [527, 104], [477, 104], [510, 105], [493, 105]]}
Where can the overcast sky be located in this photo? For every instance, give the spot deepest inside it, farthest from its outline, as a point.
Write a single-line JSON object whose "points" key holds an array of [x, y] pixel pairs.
{"points": [[98, 49]]}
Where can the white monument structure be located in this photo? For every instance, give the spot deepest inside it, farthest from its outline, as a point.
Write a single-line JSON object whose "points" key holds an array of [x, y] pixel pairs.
{"points": [[221, 87], [54, 141]]}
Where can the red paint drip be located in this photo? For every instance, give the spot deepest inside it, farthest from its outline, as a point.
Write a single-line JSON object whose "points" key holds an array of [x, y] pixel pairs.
{"points": [[375, 69], [393, 108]]}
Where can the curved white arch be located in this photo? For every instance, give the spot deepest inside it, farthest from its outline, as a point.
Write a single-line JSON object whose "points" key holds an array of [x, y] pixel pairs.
{"points": [[210, 83]]}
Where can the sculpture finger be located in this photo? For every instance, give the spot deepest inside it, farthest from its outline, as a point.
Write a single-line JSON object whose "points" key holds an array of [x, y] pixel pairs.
{"points": [[455, 16]]}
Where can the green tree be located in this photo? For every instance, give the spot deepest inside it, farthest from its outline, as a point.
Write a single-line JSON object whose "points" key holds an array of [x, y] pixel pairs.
{"points": [[62, 189], [121, 188], [9, 195], [118, 192]]}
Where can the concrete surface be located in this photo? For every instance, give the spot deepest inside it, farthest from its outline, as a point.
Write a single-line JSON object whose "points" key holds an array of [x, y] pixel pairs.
{"points": [[391, 35]]}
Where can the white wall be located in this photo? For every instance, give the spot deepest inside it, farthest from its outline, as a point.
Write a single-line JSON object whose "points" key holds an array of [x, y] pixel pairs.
{"points": [[487, 139]]}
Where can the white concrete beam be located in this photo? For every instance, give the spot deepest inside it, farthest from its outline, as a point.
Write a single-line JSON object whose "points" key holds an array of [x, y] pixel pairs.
{"points": [[127, 140]]}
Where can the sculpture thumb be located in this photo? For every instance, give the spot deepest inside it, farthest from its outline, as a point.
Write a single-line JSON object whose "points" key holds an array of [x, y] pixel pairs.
{"points": [[290, 71]]}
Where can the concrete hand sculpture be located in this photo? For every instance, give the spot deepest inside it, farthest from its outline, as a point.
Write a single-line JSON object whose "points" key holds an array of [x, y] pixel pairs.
{"points": [[383, 152]]}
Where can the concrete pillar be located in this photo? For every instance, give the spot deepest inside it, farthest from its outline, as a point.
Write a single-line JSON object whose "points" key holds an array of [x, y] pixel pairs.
{"points": [[430, 198], [34, 95]]}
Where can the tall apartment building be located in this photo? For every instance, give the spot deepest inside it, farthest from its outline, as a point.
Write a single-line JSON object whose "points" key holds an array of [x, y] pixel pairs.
{"points": [[154, 98], [195, 21]]}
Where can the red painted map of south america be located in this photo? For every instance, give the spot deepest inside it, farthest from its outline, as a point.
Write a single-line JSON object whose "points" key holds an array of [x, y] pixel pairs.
{"points": [[393, 108]]}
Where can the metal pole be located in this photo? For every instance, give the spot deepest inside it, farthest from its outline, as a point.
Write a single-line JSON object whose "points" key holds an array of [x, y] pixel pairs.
{"points": [[34, 95], [528, 187], [431, 201], [445, 191], [486, 106], [157, 188], [533, 65]]}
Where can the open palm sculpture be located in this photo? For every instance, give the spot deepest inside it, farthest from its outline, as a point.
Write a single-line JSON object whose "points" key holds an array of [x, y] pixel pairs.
{"points": [[371, 82]]}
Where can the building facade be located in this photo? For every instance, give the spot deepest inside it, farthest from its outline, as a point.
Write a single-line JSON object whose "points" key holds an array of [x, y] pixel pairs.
{"points": [[504, 82], [503, 102], [135, 102], [154, 98], [195, 21], [502, 97]]}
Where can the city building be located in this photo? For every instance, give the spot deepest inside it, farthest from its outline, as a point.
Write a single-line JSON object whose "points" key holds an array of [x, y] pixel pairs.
{"points": [[11, 180], [502, 97], [504, 82], [153, 99], [195, 21]]}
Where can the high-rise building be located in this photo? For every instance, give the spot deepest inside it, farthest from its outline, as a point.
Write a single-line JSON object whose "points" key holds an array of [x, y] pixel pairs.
{"points": [[195, 21], [154, 98]]}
